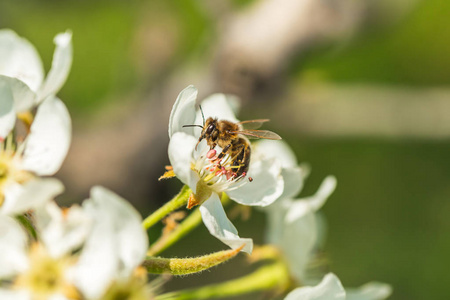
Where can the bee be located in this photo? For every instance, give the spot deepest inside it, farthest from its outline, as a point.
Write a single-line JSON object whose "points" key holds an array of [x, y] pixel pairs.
{"points": [[234, 140]]}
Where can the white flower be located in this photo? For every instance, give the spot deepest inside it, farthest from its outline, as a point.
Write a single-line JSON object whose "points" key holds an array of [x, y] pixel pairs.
{"points": [[115, 247], [41, 153], [194, 167], [21, 67], [292, 227], [330, 288], [42, 270]]}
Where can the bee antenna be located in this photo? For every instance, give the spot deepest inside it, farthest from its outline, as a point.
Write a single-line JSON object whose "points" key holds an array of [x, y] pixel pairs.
{"points": [[203, 116], [193, 126]]}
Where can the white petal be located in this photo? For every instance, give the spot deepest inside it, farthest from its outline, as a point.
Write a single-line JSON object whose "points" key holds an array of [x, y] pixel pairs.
{"points": [[13, 248], [216, 106], [315, 202], [7, 112], [34, 193], [370, 291], [293, 181], [266, 187], [132, 242], [276, 149], [62, 232], [329, 289], [62, 61], [19, 59], [297, 242], [116, 246], [14, 294], [24, 98], [276, 213], [181, 147], [49, 140], [183, 112], [216, 221], [99, 262]]}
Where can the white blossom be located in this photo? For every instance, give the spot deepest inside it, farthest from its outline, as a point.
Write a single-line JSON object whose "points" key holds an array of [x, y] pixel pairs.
{"points": [[330, 288], [21, 68], [40, 270], [116, 246], [193, 167], [41, 153]]}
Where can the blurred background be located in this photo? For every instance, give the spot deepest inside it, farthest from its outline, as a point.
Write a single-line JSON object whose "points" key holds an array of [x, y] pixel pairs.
{"points": [[359, 89]]}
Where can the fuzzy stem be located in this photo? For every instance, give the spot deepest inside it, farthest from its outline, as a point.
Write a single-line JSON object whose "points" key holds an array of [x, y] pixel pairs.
{"points": [[177, 202], [273, 276], [184, 266]]}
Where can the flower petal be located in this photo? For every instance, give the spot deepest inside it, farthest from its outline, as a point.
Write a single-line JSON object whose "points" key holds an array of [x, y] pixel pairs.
{"points": [[293, 181], [370, 291], [330, 288], [297, 242], [266, 187], [116, 245], [216, 221], [14, 294], [315, 202], [181, 147], [34, 193], [19, 59], [183, 112], [13, 248], [61, 63], [276, 149], [24, 98], [217, 106], [49, 139], [62, 231], [132, 242], [7, 112]]}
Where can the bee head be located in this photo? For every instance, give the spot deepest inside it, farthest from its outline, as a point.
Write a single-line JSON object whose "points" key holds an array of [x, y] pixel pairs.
{"points": [[209, 132]]}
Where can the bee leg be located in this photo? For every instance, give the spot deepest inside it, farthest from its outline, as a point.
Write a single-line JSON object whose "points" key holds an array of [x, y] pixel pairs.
{"points": [[224, 151]]}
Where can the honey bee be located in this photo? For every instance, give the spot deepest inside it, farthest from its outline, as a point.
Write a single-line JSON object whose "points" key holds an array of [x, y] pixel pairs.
{"points": [[234, 140]]}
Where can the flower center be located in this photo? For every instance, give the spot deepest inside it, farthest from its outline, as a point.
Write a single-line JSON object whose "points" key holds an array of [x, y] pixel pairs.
{"points": [[218, 174], [46, 275], [132, 289], [9, 169]]}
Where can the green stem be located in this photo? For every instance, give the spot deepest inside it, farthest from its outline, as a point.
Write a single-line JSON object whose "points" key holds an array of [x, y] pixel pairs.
{"points": [[184, 266], [177, 202], [189, 224], [274, 276]]}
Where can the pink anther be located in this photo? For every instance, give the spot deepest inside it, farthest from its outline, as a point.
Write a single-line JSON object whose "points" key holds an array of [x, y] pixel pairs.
{"points": [[211, 153]]}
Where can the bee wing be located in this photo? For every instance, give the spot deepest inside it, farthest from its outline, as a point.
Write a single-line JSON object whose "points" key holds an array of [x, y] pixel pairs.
{"points": [[261, 134], [253, 124]]}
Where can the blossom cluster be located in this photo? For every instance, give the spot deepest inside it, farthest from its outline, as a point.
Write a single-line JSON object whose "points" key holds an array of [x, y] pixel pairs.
{"points": [[100, 249]]}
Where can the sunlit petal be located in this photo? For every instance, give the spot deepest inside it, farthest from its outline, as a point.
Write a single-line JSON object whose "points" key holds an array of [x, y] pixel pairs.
{"points": [[266, 187], [183, 112], [13, 248], [34, 193], [62, 61], [19, 59], [216, 221], [181, 147], [49, 140], [370, 291], [61, 231], [330, 288]]}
